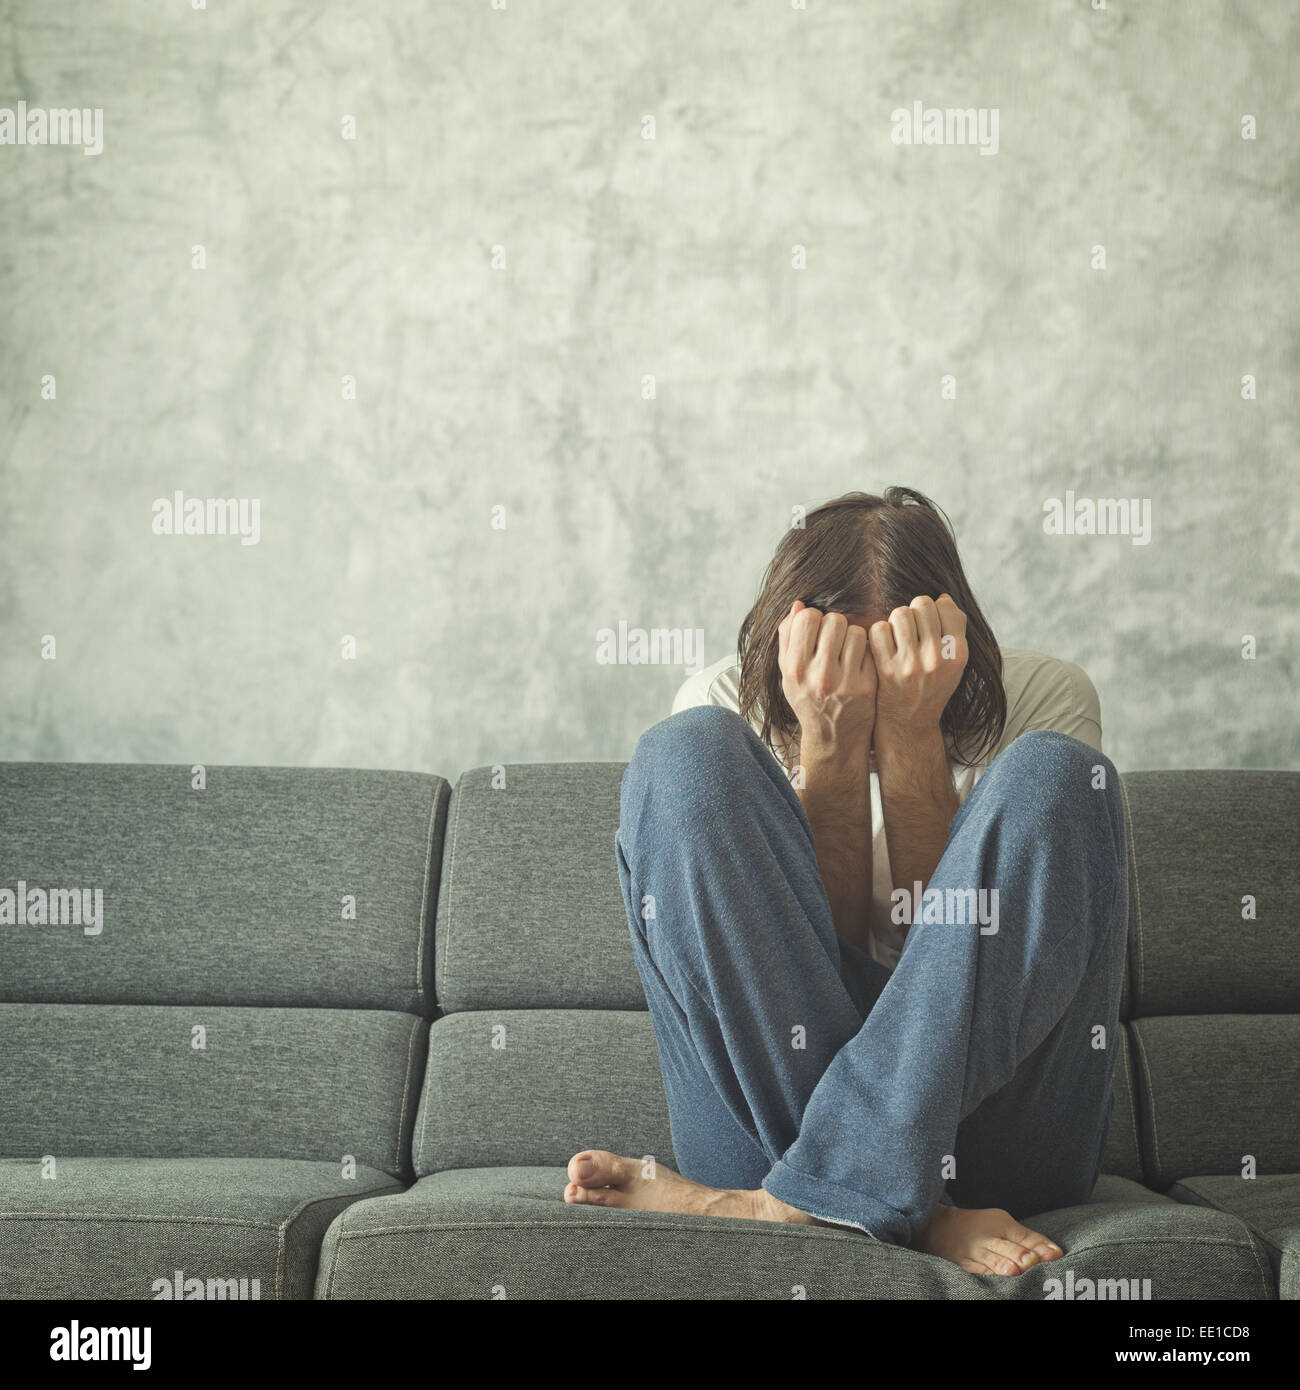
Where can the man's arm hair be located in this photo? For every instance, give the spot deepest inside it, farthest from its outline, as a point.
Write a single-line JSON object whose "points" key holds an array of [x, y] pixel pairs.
{"points": [[919, 801], [836, 796]]}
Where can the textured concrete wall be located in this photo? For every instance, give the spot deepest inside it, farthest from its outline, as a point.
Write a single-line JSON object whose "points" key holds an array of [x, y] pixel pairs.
{"points": [[520, 385]]}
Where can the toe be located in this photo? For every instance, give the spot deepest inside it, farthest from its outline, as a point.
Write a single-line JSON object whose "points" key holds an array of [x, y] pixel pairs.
{"points": [[1007, 1256], [597, 1168], [1035, 1240], [578, 1195]]}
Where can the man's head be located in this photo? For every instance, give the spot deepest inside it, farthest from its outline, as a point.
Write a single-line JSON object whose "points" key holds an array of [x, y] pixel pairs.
{"points": [[864, 556]]}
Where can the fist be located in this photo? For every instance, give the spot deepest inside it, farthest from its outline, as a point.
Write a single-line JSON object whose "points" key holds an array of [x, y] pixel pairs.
{"points": [[827, 675], [920, 654]]}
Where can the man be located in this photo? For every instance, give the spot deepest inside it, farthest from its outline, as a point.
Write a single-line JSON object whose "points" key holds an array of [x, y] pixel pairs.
{"points": [[876, 878]]}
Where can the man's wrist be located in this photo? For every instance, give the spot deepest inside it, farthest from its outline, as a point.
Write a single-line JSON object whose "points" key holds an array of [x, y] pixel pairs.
{"points": [[901, 739], [829, 751]]}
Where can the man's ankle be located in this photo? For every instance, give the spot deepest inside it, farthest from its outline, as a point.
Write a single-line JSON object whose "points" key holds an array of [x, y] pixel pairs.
{"points": [[769, 1208]]}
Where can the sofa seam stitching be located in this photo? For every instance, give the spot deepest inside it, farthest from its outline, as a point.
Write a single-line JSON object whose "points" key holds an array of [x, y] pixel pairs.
{"points": [[338, 1196], [855, 1239], [1251, 1223], [137, 1216], [279, 1258], [302, 1206], [334, 1255]]}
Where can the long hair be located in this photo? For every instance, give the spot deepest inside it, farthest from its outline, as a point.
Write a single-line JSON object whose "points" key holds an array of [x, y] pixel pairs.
{"points": [[862, 554]]}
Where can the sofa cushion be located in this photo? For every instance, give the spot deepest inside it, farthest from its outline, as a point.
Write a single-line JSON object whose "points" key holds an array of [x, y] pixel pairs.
{"points": [[114, 1227], [270, 1083], [1202, 841], [1213, 1089], [1270, 1205], [230, 895], [533, 1086], [530, 913], [507, 1232]]}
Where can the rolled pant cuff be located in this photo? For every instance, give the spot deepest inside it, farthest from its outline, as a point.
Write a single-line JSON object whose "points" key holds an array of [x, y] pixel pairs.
{"points": [[841, 1206]]}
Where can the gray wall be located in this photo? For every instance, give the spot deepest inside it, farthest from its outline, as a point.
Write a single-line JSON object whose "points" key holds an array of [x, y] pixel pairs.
{"points": [[626, 257]]}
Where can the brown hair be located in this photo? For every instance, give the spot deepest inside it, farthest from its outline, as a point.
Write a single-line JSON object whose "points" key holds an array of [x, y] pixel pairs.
{"points": [[862, 554]]}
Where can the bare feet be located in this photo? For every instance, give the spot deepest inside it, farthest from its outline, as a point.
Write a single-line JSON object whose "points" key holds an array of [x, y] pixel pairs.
{"points": [[987, 1241], [600, 1179]]}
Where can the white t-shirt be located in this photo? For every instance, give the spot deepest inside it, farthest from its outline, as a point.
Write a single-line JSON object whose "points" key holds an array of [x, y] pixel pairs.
{"points": [[1042, 693]]}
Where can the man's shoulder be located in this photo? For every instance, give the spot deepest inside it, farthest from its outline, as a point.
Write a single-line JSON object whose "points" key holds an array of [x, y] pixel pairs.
{"points": [[718, 684], [1047, 692]]}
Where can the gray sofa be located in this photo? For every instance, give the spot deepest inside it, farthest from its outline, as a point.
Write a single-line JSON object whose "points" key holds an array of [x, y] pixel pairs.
{"points": [[338, 1032]]}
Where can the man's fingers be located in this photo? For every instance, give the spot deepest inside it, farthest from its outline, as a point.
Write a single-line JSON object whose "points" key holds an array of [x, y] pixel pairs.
{"points": [[952, 618], [856, 653], [929, 627], [830, 640], [802, 637], [903, 623]]}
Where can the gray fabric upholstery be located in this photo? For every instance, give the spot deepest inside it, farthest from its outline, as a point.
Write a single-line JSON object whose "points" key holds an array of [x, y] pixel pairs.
{"points": [[230, 895], [530, 874], [1202, 841], [533, 1100], [1270, 1205], [1213, 1088], [110, 1227], [223, 908], [466, 1234], [557, 1081], [271, 1083]]}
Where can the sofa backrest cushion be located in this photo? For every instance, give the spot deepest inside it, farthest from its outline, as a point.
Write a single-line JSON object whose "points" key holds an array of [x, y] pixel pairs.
{"points": [[530, 914], [235, 894], [1203, 842], [131, 1081], [1218, 1095], [531, 1087]]}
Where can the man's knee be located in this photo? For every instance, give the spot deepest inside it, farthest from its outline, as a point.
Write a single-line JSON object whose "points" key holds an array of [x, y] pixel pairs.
{"points": [[1057, 762], [1059, 773], [700, 734], [694, 757]]}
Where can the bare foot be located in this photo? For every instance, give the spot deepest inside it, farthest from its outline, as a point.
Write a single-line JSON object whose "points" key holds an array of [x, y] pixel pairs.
{"points": [[985, 1240], [600, 1179]]}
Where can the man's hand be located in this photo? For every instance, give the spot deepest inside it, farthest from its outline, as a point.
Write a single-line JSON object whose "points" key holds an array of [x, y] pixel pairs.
{"points": [[828, 676], [919, 656]]}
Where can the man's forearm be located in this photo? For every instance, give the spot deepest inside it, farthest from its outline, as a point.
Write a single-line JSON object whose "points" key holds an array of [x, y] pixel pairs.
{"points": [[836, 797], [918, 799]]}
